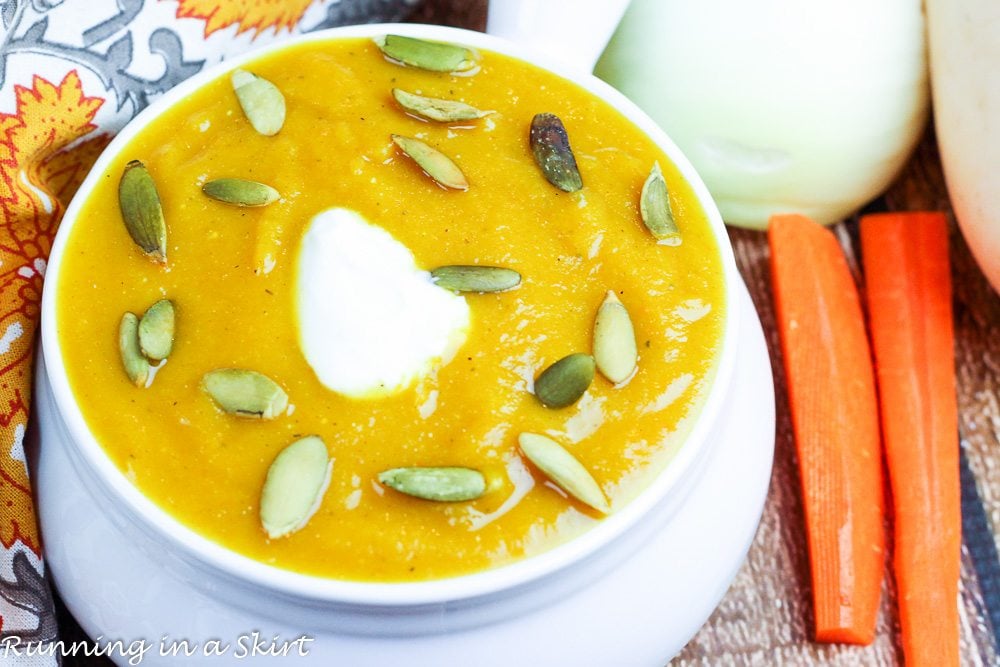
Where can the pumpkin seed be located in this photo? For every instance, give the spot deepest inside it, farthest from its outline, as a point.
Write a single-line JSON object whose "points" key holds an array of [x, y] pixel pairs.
{"points": [[245, 393], [440, 484], [432, 108], [294, 487], [475, 278], [156, 330], [261, 101], [141, 210], [136, 366], [565, 381], [614, 340], [550, 146], [435, 164], [240, 192], [654, 205], [433, 56], [564, 469]]}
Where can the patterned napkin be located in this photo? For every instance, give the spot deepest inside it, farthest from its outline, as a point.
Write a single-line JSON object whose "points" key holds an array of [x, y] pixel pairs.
{"points": [[72, 73]]}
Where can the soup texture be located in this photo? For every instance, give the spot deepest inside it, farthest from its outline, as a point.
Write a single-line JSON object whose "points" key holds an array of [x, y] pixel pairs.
{"points": [[234, 277]]}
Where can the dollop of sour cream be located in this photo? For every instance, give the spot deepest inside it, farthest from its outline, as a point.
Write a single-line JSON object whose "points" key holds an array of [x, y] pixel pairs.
{"points": [[370, 321]]}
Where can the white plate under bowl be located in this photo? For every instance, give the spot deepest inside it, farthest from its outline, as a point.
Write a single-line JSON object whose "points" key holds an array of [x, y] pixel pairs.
{"points": [[640, 612]]}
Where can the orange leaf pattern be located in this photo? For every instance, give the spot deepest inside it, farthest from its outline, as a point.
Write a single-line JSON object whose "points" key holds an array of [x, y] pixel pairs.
{"points": [[40, 168], [256, 15]]}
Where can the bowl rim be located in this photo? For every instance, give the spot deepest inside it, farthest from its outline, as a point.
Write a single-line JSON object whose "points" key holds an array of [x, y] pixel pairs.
{"points": [[461, 588]]}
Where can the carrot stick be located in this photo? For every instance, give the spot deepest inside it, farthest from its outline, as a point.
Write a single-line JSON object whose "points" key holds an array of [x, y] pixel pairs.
{"points": [[905, 257], [831, 390]]}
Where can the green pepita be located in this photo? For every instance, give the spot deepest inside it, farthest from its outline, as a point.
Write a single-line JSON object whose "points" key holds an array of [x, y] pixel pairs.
{"points": [[245, 393], [156, 330], [141, 210], [432, 108], [565, 381], [135, 364], [435, 164], [422, 54], [294, 487], [550, 146], [615, 352], [450, 484], [261, 101], [240, 192], [475, 278], [564, 469], [654, 205]]}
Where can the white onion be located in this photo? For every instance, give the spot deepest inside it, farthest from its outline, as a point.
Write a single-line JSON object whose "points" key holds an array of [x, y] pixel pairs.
{"points": [[781, 105]]}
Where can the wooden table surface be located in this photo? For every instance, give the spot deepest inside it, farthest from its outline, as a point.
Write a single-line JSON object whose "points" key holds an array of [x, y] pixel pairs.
{"points": [[765, 618]]}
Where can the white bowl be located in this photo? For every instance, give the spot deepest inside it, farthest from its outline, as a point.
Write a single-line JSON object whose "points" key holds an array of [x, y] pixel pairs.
{"points": [[396, 608]]}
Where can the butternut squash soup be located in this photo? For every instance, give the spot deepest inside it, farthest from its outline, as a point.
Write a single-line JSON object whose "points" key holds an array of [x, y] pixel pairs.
{"points": [[390, 311]]}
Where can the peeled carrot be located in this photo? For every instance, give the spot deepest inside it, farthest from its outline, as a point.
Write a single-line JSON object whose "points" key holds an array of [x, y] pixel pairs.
{"points": [[905, 257], [831, 390]]}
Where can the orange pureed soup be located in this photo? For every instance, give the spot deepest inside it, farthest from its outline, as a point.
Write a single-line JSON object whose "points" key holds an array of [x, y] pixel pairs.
{"points": [[232, 275]]}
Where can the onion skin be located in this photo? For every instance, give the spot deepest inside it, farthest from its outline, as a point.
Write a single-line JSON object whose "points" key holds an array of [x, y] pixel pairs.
{"points": [[782, 107]]}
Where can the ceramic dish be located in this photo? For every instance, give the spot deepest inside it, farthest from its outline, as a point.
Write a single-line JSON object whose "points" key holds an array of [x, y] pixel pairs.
{"points": [[396, 609], [639, 612]]}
